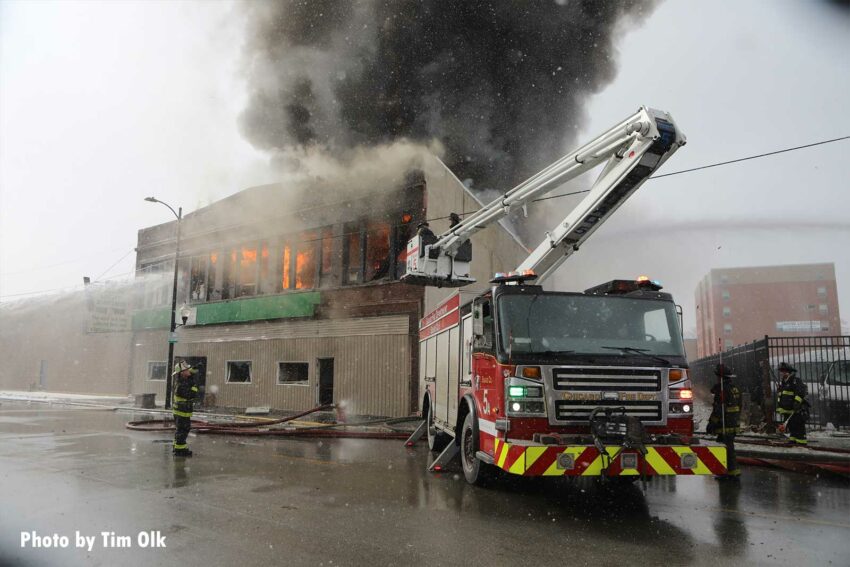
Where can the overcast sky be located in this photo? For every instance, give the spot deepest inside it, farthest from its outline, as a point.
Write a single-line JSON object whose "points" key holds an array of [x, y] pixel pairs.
{"points": [[102, 104]]}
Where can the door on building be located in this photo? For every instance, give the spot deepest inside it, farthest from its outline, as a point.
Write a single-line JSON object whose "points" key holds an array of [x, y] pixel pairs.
{"points": [[326, 381], [199, 362]]}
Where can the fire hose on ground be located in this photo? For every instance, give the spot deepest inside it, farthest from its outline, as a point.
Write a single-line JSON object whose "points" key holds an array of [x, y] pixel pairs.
{"points": [[760, 451], [331, 430]]}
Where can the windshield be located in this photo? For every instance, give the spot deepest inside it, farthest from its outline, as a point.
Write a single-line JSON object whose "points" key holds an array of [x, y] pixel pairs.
{"points": [[585, 324]]}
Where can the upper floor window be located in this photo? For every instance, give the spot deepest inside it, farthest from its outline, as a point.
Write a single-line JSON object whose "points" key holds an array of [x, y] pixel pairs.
{"points": [[822, 291], [352, 257], [725, 294], [727, 311]]}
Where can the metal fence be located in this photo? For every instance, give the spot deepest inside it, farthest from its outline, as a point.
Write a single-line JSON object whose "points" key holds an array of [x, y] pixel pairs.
{"points": [[823, 363]]}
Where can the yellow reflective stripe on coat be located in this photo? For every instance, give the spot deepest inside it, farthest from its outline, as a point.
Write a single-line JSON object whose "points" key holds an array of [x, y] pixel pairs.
{"points": [[179, 399], [194, 388], [798, 398]]}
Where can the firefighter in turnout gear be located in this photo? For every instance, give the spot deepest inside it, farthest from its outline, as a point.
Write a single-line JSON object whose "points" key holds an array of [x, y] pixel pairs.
{"points": [[185, 392], [791, 404], [724, 420]]}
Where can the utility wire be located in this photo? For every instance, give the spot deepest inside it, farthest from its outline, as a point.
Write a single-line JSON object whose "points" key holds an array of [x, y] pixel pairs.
{"points": [[718, 164], [115, 264]]}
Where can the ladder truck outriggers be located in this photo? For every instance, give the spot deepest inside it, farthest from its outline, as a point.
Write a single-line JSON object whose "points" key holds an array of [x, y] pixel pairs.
{"points": [[553, 383]]}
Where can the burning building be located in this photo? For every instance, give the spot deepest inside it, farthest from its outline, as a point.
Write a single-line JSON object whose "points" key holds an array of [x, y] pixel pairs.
{"points": [[293, 295]]}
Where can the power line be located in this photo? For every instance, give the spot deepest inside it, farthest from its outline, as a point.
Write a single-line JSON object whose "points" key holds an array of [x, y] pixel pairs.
{"points": [[718, 164], [115, 264]]}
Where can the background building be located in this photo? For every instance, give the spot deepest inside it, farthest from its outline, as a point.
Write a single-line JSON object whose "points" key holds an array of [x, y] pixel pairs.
{"points": [[738, 305]]}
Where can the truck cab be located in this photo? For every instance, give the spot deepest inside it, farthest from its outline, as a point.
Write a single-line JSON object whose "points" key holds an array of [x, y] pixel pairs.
{"points": [[535, 368]]}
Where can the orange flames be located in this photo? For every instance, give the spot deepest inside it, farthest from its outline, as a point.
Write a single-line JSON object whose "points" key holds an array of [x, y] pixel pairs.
{"points": [[286, 256], [249, 256]]}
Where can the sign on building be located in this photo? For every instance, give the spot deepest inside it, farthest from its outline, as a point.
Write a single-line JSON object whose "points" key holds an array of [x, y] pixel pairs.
{"points": [[109, 309]]}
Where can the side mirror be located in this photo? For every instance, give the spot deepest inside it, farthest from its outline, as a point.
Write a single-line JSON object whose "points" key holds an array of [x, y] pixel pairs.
{"points": [[477, 320]]}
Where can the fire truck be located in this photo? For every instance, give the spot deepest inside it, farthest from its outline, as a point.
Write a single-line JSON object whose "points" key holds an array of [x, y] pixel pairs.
{"points": [[553, 383]]}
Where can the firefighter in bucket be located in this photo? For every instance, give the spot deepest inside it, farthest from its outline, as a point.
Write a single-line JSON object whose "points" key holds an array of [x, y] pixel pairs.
{"points": [[185, 392]]}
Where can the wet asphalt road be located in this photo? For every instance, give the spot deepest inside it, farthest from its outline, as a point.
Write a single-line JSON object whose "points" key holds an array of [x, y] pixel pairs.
{"points": [[255, 501]]}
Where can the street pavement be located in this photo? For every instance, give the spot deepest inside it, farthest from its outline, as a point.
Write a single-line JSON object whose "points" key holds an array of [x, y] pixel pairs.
{"points": [[263, 501]]}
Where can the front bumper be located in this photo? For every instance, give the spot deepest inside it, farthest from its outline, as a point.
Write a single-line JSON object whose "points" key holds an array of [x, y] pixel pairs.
{"points": [[585, 460]]}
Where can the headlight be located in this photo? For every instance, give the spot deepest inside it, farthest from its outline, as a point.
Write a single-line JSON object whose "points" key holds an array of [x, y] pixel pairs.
{"points": [[524, 398]]}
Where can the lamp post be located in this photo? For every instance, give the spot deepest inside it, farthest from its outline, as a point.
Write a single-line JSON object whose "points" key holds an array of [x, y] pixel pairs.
{"points": [[173, 327]]}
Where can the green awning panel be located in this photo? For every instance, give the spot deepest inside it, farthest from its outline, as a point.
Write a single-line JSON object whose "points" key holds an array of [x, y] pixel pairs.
{"points": [[258, 308]]}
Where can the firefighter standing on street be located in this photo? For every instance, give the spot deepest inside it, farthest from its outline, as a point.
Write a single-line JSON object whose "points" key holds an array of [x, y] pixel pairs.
{"points": [[185, 392], [724, 420], [791, 404]]}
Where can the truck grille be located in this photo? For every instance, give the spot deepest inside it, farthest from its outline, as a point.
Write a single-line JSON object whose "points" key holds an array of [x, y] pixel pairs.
{"points": [[579, 410], [606, 379]]}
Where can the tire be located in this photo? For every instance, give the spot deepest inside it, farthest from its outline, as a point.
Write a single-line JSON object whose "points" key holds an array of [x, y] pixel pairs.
{"points": [[437, 441], [475, 471]]}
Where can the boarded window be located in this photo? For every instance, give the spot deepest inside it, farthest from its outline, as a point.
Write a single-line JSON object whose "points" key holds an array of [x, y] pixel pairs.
{"points": [[305, 261], [156, 370], [239, 371], [377, 251], [292, 372]]}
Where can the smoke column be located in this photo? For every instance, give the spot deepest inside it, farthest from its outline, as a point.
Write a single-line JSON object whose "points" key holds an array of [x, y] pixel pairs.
{"points": [[499, 84]]}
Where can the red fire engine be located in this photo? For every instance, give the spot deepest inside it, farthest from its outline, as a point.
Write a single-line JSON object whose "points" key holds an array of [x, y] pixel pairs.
{"points": [[552, 383]]}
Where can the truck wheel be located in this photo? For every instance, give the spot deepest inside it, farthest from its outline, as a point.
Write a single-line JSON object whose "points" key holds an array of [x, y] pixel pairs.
{"points": [[437, 441], [474, 470]]}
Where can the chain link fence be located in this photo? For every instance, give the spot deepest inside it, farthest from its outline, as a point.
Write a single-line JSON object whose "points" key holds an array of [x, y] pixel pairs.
{"points": [[823, 363]]}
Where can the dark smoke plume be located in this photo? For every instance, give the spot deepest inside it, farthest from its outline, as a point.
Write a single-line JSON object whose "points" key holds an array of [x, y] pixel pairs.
{"points": [[499, 83]]}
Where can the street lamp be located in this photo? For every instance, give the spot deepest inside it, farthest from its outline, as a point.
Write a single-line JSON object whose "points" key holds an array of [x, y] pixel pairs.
{"points": [[179, 215]]}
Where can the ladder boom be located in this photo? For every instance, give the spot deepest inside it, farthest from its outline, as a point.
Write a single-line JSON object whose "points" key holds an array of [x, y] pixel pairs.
{"points": [[633, 150]]}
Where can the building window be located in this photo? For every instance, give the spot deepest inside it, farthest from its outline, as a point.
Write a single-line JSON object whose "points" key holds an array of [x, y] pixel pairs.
{"points": [[247, 269], [823, 309], [293, 373], [329, 259], [286, 260], [352, 256], [810, 307], [305, 260], [198, 278], [821, 292], [727, 328], [377, 251], [727, 344], [724, 278], [727, 311], [265, 282], [725, 294], [157, 285], [238, 371], [156, 370], [228, 275]]}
